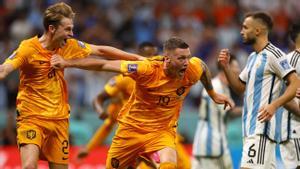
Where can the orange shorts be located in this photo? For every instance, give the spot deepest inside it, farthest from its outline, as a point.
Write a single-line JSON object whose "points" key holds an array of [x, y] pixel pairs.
{"points": [[128, 144], [52, 137]]}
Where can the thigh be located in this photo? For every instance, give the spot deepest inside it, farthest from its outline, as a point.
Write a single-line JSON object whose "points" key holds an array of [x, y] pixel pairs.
{"points": [[290, 153], [29, 154], [56, 146], [258, 152], [29, 132], [126, 146]]}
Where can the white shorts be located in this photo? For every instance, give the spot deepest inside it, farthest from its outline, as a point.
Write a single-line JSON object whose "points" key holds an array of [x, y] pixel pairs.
{"points": [[258, 153], [290, 153], [223, 162]]}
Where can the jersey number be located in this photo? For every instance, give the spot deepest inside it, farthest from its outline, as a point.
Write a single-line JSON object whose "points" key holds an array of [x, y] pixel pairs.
{"points": [[163, 100], [65, 147], [252, 151]]}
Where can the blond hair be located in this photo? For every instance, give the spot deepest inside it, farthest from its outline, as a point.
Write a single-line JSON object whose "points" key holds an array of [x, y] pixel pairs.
{"points": [[55, 13]]}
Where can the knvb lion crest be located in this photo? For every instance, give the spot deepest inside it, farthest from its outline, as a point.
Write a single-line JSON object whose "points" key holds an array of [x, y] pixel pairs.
{"points": [[180, 91], [31, 134], [115, 163]]}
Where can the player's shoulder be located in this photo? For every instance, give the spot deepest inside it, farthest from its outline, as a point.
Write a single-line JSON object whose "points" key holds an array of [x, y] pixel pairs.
{"points": [[30, 45], [273, 52], [72, 42]]}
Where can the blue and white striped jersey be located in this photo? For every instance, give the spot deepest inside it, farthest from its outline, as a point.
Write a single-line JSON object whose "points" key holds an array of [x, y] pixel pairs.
{"points": [[263, 76], [210, 137], [294, 60]]}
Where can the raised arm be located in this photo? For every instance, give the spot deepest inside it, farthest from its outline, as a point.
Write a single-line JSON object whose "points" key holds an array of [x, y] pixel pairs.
{"points": [[114, 53], [5, 69], [206, 81], [86, 63], [235, 83]]}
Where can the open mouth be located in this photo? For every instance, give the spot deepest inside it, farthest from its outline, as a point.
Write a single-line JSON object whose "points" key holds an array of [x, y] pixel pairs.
{"points": [[182, 71]]}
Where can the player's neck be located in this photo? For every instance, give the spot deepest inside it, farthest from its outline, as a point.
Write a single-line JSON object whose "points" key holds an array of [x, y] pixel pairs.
{"points": [[260, 44], [297, 46], [47, 42]]}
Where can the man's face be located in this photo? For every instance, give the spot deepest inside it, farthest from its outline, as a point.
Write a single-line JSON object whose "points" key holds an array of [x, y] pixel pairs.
{"points": [[63, 31], [248, 31], [178, 61]]}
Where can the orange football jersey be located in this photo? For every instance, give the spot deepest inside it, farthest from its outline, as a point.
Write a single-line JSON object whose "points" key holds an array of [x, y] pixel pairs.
{"points": [[42, 90], [157, 99]]}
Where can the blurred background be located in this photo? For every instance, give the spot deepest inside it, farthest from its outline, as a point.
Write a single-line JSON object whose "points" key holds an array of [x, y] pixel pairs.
{"points": [[206, 25]]}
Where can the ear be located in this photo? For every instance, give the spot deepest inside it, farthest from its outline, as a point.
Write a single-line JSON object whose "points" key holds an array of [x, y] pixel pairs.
{"points": [[51, 28], [167, 59]]}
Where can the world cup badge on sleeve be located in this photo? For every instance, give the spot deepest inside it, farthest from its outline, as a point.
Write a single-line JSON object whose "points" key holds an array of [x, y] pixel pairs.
{"points": [[285, 64], [132, 68]]}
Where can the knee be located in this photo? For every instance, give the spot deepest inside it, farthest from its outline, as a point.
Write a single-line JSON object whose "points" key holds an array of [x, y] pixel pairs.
{"points": [[167, 165], [29, 166]]}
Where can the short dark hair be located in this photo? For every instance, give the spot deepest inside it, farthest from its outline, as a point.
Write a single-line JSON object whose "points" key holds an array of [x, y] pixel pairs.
{"points": [[294, 31], [232, 58], [174, 43], [146, 44], [265, 18]]}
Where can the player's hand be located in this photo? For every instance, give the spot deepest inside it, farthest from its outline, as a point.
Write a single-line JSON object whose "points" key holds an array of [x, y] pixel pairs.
{"points": [[222, 99], [266, 112], [99, 109], [82, 153], [223, 58], [298, 93], [57, 62]]}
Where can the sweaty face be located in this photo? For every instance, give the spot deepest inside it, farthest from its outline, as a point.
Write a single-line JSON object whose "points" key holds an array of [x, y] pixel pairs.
{"points": [[63, 31], [178, 62], [248, 31]]}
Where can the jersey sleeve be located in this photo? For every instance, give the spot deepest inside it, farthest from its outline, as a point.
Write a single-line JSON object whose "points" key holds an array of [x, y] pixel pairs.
{"points": [[77, 49], [280, 65], [137, 70], [19, 56], [244, 75], [112, 87]]}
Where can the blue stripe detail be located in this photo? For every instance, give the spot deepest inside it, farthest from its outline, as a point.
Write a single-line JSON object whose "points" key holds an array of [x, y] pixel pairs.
{"points": [[267, 124], [209, 128], [258, 84], [278, 120], [219, 127], [245, 108]]}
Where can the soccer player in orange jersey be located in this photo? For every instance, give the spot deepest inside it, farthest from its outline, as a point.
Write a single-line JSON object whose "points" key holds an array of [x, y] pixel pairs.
{"points": [[42, 107], [117, 91], [148, 121]]}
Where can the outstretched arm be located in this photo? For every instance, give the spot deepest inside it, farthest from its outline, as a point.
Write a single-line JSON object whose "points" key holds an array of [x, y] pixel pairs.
{"points": [[233, 78], [114, 53], [206, 81], [5, 69], [86, 63]]}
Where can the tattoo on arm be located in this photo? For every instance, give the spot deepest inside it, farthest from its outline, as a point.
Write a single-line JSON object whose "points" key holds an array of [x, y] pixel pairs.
{"points": [[206, 77]]}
